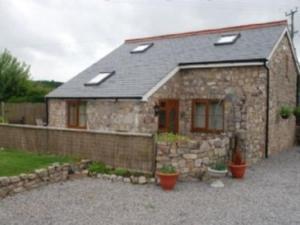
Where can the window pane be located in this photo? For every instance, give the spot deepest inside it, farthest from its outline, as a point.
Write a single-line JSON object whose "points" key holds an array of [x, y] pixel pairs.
{"points": [[199, 117], [162, 119], [72, 117], [216, 116], [82, 114]]}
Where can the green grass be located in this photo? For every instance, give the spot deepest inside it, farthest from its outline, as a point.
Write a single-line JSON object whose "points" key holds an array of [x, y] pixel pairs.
{"points": [[14, 162]]}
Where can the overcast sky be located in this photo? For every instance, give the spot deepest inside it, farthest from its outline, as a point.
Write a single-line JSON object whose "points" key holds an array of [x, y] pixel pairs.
{"points": [[61, 38]]}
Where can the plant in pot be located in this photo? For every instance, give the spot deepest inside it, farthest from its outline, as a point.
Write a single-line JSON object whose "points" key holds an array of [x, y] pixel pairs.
{"points": [[217, 170], [237, 165], [285, 112], [297, 114], [167, 177]]}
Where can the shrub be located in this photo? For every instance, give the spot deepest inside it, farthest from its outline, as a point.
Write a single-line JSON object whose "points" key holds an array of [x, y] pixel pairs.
{"points": [[168, 169], [2, 120], [121, 172], [97, 167], [170, 137], [285, 111]]}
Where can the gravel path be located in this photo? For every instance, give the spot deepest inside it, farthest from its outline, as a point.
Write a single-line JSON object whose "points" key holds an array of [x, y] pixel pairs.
{"points": [[270, 194]]}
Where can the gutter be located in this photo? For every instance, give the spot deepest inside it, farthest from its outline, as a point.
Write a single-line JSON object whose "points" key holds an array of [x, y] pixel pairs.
{"points": [[228, 62], [267, 109]]}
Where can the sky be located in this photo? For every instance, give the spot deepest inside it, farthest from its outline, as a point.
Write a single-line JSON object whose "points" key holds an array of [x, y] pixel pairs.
{"points": [[59, 39]]}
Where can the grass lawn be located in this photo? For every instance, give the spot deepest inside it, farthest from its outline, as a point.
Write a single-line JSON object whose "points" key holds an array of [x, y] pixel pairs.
{"points": [[14, 162]]}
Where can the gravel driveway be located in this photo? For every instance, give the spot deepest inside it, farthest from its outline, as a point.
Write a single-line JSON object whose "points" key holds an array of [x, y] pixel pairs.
{"points": [[270, 194]]}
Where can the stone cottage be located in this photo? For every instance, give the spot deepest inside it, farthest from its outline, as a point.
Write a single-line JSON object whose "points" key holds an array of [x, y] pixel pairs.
{"points": [[202, 84]]}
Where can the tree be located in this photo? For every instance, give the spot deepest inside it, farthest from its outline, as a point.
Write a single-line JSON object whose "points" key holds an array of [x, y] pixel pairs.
{"points": [[14, 77]]}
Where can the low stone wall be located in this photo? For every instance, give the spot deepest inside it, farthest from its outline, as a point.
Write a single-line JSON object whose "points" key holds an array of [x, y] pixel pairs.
{"points": [[192, 157], [52, 174]]}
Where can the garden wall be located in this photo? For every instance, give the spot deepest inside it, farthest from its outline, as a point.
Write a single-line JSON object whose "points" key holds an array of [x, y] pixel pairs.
{"points": [[52, 174], [191, 158], [128, 150]]}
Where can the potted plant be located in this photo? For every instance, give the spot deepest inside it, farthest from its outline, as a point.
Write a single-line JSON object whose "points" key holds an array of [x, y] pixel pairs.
{"points": [[285, 112], [237, 165], [167, 177], [297, 114], [218, 170]]}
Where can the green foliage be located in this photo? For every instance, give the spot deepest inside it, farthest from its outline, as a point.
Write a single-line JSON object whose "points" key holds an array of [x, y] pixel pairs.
{"points": [[170, 138], [285, 111], [14, 77], [97, 167], [121, 172], [14, 162], [220, 166], [168, 169], [3, 120], [16, 85], [297, 111]]}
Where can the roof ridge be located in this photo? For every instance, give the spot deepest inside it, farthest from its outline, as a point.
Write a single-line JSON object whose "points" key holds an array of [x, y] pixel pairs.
{"points": [[209, 31]]}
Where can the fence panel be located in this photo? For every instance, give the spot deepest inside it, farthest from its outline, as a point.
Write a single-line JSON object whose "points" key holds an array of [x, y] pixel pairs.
{"points": [[24, 113], [132, 151]]}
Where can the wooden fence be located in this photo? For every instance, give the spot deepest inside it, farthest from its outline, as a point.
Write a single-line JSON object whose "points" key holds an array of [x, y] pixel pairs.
{"points": [[23, 113], [127, 150]]}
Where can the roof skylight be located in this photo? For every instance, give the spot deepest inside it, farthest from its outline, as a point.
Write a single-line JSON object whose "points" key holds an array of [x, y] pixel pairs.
{"points": [[141, 48], [227, 39], [99, 78]]}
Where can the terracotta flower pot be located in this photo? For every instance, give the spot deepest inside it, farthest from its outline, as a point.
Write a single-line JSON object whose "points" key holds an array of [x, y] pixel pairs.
{"points": [[237, 171], [167, 180]]}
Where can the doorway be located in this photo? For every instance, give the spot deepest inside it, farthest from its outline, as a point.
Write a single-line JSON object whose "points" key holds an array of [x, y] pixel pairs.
{"points": [[168, 115]]}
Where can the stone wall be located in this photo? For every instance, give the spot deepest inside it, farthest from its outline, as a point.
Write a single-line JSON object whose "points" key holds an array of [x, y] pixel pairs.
{"points": [[108, 115], [57, 113], [191, 158], [247, 83], [283, 79], [52, 174]]}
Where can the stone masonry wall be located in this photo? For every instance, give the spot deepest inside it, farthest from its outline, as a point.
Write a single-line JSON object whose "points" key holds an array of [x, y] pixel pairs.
{"points": [[247, 83], [108, 115], [57, 113], [192, 157], [52, 174], [283, 80]]}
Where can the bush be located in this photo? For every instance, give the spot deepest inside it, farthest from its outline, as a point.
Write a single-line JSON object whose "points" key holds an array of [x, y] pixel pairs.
{"points": [[285, 112], [168, 169], [121, 172], [3, 120], [170, 137], [97, 167]]}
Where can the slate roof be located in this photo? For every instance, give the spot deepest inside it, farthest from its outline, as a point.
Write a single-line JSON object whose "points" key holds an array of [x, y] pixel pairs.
{"points": [[136, 74]]}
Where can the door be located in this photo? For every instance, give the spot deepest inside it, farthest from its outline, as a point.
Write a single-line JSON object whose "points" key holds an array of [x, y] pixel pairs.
{"points": [[168, 115]]}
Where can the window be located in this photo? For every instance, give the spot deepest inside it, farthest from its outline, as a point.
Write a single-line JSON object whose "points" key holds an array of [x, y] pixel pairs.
{"points": [[207, 115], [227, 39], [99, 78], [76, 114], [142, 48]]}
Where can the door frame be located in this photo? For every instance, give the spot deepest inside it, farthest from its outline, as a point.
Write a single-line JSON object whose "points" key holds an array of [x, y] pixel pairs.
{"points": [[172, 103]]}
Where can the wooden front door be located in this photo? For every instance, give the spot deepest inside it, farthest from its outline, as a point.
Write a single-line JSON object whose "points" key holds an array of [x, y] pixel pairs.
{"points": [[168, 115]]}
